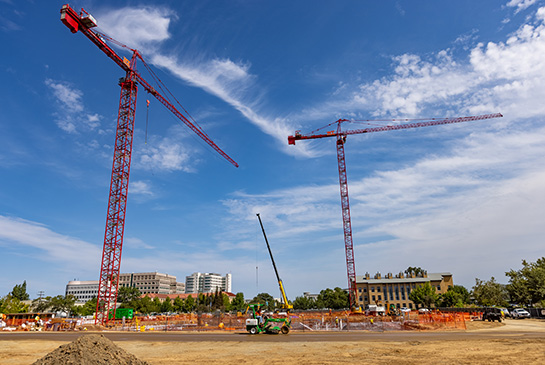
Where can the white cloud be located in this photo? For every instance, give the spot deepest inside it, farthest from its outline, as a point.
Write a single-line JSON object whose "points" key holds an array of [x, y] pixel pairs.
{"points": [[71, 116], [167, 153], [228, 80], [505, 77], [140, 188], [138, 28], [38, 241], [521, 4], [483, 198]]}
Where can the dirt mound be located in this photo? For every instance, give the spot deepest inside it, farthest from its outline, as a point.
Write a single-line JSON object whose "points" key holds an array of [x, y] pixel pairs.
{"points": [[90, 350]]}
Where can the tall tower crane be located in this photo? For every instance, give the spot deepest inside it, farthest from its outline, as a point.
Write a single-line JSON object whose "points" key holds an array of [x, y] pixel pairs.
{"points": [[119, 184], [341, 135]]}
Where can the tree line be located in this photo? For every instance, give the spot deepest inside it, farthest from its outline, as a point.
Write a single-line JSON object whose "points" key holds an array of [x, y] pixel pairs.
{"points": [[526, 287]]}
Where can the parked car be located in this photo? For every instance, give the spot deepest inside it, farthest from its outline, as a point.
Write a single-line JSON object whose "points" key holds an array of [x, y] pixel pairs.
{"points": [[520, 313], [492, 314], [423, 311], [405, 310]]}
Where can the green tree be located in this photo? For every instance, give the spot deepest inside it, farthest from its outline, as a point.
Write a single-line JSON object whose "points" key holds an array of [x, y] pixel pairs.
{"points": [[456, 296], [417, 271], [167, 306], [89, 307], [126, 295], [424, 295], [332, 298], [144, 305], [41, 304], [266, 299], [490, 293], [178, 305], [527, 285], [19, 292], [304, 303], [156, 304], [189, 304], [63, 303], [238, 303], [227, 303], [10, 304]]}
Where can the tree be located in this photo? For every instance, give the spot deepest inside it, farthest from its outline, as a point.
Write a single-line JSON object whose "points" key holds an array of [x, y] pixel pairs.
{"points": [[424, 295], [456, 296], [41, 304], [266, 299], [333, 299], [63, 303], [189, 304], [166, 306], [156, 305], [89, 307], [490, 293], [226, 303], [238, 303], [417, 271], [527, 285], [125, 294], [178, 305], [304, 303], [19, 292], [10, 304]]}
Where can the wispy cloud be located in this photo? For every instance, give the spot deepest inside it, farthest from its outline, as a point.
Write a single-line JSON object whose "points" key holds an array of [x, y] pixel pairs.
{"points": [[230, 81], [38, 241], [496, 76], [71, 116], [485, 192], [520, 4]]}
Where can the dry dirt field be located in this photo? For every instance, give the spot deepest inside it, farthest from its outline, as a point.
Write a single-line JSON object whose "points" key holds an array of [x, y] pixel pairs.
{"points": [[511, 342]]}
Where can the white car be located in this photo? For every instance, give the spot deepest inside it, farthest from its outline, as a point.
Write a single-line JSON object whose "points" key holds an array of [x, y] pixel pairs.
{"points": [[520, 313], [405, 310]]}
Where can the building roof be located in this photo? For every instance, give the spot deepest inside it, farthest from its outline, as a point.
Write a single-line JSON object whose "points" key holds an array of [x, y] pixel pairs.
{"points": [[181, 295], [360, 279]]}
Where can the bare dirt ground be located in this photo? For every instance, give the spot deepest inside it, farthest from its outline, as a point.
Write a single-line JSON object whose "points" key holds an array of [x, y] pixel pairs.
{"points": [[511, 342]]}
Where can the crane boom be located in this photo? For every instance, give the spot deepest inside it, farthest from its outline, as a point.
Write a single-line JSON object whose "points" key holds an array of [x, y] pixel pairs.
{"points": [[84, 24], [119, 183], [299, 136], [343, 181], [280, 283]]}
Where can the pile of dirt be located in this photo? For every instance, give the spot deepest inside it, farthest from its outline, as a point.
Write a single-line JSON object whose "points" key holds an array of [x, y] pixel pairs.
{"points": [[90, 350]]}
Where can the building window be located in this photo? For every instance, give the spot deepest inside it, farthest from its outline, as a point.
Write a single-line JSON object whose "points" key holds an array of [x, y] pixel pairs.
{"points": [[372, 289], [373, 298]]}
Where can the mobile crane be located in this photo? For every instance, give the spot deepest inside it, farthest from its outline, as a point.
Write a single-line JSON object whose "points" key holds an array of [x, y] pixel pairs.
{"points": [[285, 304]]}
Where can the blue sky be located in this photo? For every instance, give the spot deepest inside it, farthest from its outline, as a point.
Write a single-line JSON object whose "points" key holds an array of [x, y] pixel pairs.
{"points": [[466, 198]]}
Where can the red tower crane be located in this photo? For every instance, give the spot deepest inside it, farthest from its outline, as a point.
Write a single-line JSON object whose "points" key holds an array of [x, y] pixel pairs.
{"points": [[119, 184], [341, 139]]}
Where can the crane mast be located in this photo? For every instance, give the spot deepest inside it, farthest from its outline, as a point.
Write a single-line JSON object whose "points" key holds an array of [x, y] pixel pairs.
{"points": [[341, 135], [119, 183]]}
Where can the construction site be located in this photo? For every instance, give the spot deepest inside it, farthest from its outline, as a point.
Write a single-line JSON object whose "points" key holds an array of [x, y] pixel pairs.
{"points": [[359, 333]]}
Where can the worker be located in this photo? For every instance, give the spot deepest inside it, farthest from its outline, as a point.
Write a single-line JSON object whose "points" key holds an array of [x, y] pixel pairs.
{"points": [[258, 315]]}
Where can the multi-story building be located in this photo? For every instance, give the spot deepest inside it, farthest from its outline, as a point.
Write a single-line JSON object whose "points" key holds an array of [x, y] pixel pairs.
{"points": [[396, 289], [146, 282], [82, 290], [151, 282], [207, 283]]}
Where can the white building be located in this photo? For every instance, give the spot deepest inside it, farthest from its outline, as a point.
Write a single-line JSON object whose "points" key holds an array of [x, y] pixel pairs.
{"points": [[83, 290], [152, 282], [146, 282], [207, 283]]}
